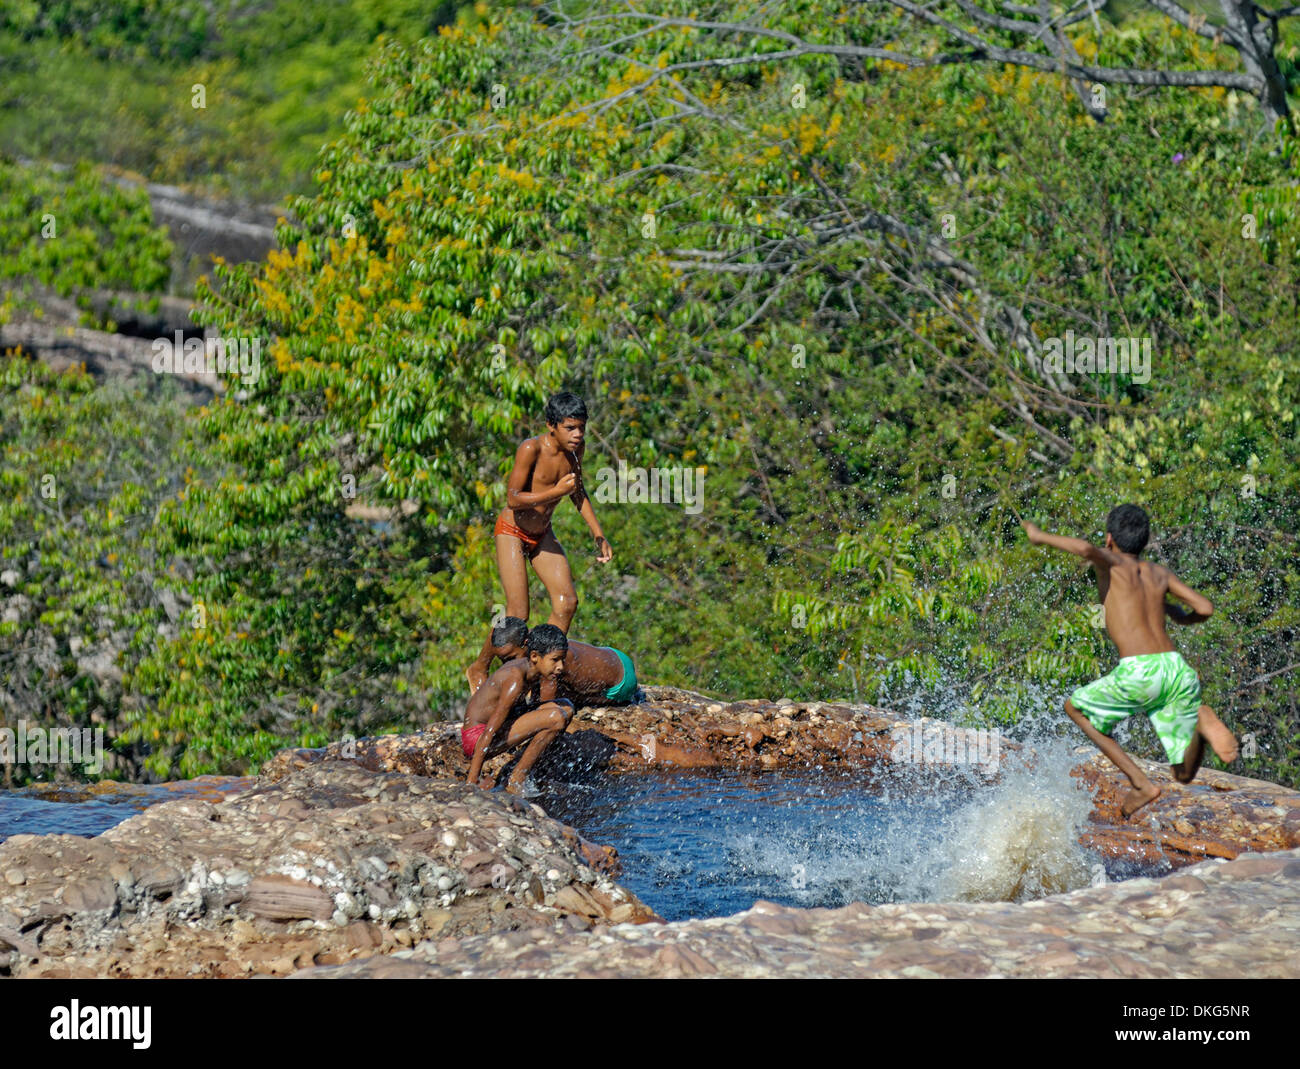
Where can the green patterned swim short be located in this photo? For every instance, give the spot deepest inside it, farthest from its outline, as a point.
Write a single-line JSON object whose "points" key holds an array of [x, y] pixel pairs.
{"points": [[625, 689], [1161, 685]]}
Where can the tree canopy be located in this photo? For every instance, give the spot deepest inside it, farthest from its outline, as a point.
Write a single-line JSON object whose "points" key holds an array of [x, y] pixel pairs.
{"points": [[834, 290]]}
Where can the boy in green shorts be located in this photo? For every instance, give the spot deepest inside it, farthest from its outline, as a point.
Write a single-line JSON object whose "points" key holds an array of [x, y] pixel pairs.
{"points": [[1151, 676], [593, 675]]}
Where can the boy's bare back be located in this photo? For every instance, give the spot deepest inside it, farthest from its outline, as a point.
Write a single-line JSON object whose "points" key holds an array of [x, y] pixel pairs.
{"points": [[1133, 596], [1132, 593]]}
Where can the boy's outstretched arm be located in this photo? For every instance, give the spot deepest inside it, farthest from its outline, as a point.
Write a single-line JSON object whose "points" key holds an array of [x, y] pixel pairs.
{"points": [[1077, 546], [1201, 607], [603, 551]]}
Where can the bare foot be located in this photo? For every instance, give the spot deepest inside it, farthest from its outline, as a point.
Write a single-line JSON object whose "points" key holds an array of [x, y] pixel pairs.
{"points": [[514, 786], [1216, 733], [1136, 799]]}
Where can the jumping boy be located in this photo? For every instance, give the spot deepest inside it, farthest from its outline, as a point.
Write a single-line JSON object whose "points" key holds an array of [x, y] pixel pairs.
{"points": [[593, 675], [510, 700], [1151, 676], [547, 468]]}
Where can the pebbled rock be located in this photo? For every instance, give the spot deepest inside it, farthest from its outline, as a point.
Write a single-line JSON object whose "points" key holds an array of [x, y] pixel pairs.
{"points": [[90, 894], [330, 862], [1230, 925], [281, 898]]}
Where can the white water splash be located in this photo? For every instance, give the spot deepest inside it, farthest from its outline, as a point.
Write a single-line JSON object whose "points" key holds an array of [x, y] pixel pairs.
{"points": [[1017, 840], [1009, 842]]}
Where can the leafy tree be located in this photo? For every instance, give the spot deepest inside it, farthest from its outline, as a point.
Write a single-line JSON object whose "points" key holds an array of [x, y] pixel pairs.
{"points": [[838, 311]]}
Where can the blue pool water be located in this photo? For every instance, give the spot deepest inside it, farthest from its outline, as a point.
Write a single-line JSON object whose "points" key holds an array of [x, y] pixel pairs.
{"points": [[708, 844], [89, 810], [35, 816]]}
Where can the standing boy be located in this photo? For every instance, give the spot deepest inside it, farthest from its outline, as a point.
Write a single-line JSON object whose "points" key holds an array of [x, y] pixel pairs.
{"points": [[1151, 676], [547, 468]]}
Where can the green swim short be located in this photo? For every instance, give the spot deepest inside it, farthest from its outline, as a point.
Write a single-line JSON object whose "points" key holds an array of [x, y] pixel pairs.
{"points": [[625, 689], [1161, 685]]}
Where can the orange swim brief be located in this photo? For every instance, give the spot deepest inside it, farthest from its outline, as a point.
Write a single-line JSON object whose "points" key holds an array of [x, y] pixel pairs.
{"points": [[531, 541]]}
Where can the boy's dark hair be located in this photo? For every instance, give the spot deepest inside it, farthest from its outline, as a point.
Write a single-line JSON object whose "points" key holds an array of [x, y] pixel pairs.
{"points": [[565, 406], [547, 638], [511, 631], [1128, 525]]}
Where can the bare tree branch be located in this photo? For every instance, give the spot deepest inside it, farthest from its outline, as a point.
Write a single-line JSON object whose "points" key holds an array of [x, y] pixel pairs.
{"points": [[1242, 29]]}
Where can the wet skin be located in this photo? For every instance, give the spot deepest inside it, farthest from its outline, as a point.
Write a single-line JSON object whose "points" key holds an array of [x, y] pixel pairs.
{"points": [[547, 469], [589, 672], [493, 704]]}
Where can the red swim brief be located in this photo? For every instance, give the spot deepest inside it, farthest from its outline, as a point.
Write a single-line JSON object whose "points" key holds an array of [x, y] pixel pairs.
{"points": [[469, 737], [530, 541]]}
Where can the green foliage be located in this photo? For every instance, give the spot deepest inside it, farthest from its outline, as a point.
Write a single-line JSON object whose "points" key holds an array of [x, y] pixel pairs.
{"points": [[83, 472], [72, 232], [716, 288], [116, 84]]}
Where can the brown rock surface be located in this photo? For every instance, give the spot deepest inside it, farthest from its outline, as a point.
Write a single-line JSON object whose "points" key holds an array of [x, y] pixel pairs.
{"points": [[1217, 920], [378, 850], [328, 863]]}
